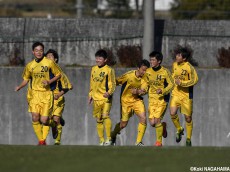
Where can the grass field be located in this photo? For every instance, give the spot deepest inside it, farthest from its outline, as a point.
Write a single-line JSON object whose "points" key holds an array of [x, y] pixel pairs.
{"points": [[110, 159]]}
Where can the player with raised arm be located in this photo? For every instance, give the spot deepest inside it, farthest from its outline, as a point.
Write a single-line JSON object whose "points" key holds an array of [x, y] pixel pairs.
{"points": [[40, 96]]}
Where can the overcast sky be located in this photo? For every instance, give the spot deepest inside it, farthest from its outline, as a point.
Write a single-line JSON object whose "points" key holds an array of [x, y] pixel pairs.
{"points": [[159, 4]]}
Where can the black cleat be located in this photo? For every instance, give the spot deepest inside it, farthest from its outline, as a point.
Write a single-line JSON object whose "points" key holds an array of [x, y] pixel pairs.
{"points": [[113, 139], [55, 131], [139, 144], [165, 133], [188, 143], [62, 121], [179, 135]]}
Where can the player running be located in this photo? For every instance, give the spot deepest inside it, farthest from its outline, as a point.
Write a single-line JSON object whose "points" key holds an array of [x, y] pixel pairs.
{"points": [[133, 86], [102, 86], [41, 96], [160, 84], [185, 77]]}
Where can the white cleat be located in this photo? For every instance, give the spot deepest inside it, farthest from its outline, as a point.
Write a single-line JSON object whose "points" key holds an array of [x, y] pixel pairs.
{"points": [[101, 143], [108, 143]]}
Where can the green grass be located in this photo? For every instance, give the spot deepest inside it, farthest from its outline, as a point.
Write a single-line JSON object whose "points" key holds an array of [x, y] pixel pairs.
{"points": [[119, 158]]}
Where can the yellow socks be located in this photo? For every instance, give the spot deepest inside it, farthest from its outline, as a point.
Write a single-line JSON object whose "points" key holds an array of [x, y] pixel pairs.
{"points": [[159, 132], [38, 130], [108, 126], [58, 139], [100, 130], [176, 122], [189, 127], [141, 132], [45, 131]]}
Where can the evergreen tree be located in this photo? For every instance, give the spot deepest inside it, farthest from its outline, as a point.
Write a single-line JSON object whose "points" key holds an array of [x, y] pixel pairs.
{"points": [[200, 9]]}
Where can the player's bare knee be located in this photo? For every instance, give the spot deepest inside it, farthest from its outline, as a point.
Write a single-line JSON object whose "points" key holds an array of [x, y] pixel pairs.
{"points": [[173, 116], [35, 117], [152, 123], [143, 120], [123, 124], [188, 119], [173, 111], [56, 119], [44, 120], [157, 121]]}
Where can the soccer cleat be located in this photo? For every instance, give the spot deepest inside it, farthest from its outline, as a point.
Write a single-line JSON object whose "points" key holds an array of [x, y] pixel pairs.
{"points": [[42, 143], [113, 139], [179, 135], [188, 143], [62, 121], [101, 143], [57, 143], [108, 143], [54, 131], [139, 144], [165, 133], [158, 144]]}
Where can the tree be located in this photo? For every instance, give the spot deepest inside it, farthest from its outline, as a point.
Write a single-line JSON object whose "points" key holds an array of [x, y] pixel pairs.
{"points": [[122, 4], [120, 9], [200, 9]]}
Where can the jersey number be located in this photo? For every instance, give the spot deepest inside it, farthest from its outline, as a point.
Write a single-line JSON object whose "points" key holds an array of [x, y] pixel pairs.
{"points": [[44, 68]]}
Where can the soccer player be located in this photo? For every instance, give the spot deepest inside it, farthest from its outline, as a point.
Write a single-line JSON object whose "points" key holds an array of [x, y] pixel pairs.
{"points": [[133, 86], [59, 87], [185, 77], [40, 96], [160, 84], [102, 86]]}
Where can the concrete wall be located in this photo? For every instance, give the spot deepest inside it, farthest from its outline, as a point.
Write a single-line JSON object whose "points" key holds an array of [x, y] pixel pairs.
{"points": [[211, 112], [76, 40]]}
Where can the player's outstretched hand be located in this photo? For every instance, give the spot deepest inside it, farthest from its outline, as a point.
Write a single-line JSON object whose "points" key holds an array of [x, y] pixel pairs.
{"points": [[90, 100], [17, 88]]}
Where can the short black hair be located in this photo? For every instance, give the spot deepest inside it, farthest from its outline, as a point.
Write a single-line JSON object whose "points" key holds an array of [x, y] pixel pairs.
{"points": [[36, 44], [101, 53], [157, 55], [186, 52], [55, 54], [144, 63]]}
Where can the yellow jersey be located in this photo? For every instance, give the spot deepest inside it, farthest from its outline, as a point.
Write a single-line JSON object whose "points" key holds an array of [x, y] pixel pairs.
{"points": [[188, 77], [128, 81], [38, 71], [102, 79], [62, 84], [159, 78]]}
